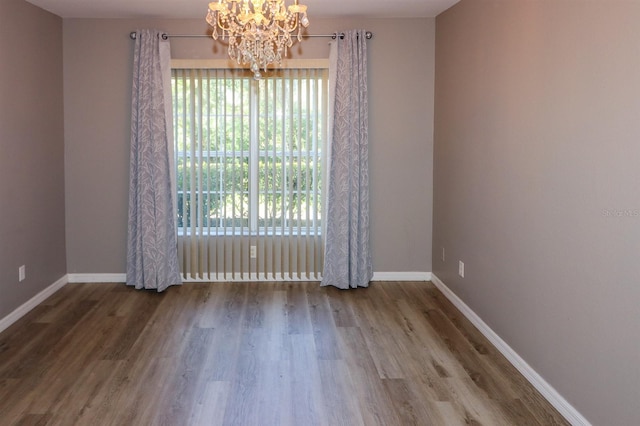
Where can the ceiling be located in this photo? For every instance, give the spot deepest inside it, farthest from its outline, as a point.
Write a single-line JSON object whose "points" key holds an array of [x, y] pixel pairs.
{"points": [[198, 8]]}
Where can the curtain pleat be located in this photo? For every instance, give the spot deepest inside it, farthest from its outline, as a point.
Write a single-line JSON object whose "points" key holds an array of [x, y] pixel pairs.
{"points": [[152, 260], [347, 262]]}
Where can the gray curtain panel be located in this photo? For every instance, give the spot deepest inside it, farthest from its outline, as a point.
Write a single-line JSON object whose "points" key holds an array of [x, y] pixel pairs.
{"points": [[347, 262], [152, 254]]}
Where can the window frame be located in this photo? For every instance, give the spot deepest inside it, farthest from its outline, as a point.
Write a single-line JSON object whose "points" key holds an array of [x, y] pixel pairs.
{"points": [[254, 154]]}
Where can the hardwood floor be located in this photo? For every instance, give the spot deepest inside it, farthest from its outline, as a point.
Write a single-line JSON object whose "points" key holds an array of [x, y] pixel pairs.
{"points": [[257, 354]]}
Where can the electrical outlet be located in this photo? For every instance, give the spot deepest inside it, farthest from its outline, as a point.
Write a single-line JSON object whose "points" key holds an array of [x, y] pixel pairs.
{"points": [[461, 268], [252, 252], [22, 273]]}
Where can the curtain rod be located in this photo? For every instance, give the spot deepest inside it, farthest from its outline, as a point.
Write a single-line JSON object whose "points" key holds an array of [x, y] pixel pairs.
{"points": [[133, 35]]}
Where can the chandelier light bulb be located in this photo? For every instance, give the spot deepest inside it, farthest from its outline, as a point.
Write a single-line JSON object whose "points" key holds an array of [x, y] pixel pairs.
{"points": [[259, 31]]}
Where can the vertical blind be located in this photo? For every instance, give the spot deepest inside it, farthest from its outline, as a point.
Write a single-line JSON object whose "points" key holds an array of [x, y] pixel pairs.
{"points": [[249, 173]]}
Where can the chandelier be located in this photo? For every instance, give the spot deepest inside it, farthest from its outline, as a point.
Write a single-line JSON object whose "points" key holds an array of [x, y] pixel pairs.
{"points": [[259, 31]]}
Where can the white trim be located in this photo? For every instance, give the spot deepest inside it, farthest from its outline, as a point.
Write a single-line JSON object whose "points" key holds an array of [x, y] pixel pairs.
{"points": [[97, 278], [24, 309], [377, 276], [401, 276], [122, 278], [253, 277], [572, 415]]}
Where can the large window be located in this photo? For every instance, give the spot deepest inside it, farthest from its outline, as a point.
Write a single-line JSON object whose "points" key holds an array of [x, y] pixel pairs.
{"points": [[248, 152]]}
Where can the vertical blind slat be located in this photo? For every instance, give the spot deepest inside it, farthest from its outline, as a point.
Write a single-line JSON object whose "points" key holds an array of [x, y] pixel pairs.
{"points": [[199, 178], [190, 153], [275, 187], [290, 130], [283, 210], [217, 197], [208, 188], [223, 142], [298, 130], [311, 119]]}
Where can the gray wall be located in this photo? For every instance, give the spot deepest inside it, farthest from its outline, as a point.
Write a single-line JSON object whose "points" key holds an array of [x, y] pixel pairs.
{"points": [[97, 82], [31, 152], [536, 187]]}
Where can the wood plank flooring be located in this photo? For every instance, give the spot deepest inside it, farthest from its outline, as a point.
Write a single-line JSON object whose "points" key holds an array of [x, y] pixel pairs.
{"points": [[257, 354]]}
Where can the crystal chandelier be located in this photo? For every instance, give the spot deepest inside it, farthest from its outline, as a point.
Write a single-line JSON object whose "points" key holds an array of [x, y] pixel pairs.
{"points": [[259, 31]]}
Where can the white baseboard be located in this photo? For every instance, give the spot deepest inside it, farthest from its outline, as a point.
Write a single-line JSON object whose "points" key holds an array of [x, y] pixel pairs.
{"points": [[22, 310], [572, 415], [120, 278], [97, 278], [253, 277], [401, 276]]}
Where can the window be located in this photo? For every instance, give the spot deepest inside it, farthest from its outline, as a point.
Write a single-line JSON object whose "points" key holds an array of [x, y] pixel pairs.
{"points": [[249, 153]]}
